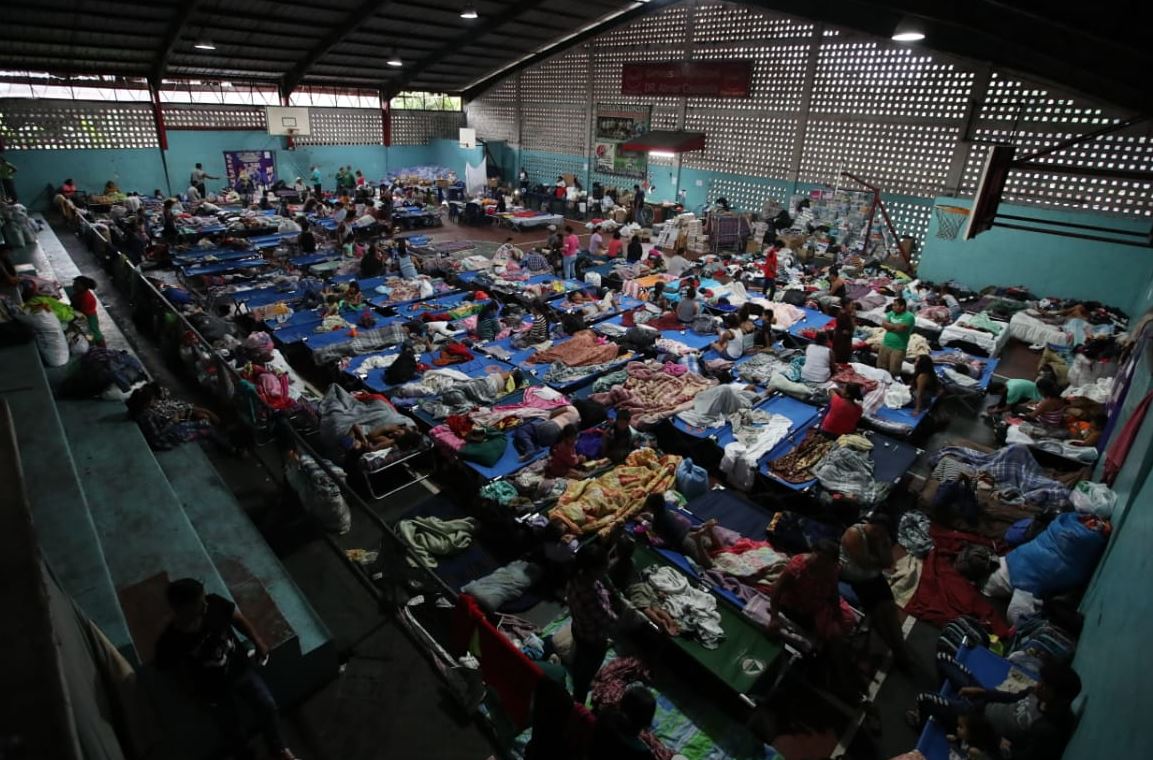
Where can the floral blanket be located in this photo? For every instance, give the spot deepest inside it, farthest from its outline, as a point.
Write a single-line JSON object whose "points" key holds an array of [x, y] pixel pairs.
{"points": [[600, 504], [652, 393]]}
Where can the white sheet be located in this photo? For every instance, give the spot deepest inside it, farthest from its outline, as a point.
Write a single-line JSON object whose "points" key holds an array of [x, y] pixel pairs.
{"points": [[957, 332], [522, 222], [1034, 332], [877, 317]]}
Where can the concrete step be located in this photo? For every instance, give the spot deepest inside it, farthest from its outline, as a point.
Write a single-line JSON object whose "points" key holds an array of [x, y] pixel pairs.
{"points": [[64, 526], [141, 523], [262, 588]]}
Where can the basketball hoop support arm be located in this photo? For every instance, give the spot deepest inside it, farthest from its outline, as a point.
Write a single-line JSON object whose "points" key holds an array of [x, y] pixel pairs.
{"points": [[1025, 162], [879, 204]]}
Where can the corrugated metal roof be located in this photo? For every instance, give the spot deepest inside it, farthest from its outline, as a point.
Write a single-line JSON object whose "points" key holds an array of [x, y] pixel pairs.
{"points": [[291, 42], [298, 42]]}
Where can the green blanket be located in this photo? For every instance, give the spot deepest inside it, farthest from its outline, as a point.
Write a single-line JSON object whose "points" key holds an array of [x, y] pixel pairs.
{"points": [[432, 537]]}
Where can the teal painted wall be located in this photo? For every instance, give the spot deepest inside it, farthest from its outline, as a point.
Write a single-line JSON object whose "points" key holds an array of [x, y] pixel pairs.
{"points": [[141, 169], [1048, 265], [1113, 655]]}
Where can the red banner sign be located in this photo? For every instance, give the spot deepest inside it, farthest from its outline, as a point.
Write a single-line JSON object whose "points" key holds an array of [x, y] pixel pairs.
{"points": [[704, 79]]}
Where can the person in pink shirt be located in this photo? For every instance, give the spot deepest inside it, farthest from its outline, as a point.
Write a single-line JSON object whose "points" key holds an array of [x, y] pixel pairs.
{"points": [[572, 246]]}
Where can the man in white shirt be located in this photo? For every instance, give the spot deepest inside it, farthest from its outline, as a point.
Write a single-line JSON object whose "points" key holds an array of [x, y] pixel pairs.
{"points": [[676, 265], [197, 179], [193, 193]]}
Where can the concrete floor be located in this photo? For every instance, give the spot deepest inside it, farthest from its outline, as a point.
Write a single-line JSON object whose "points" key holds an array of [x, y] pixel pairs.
{"points": [[388, 701]]}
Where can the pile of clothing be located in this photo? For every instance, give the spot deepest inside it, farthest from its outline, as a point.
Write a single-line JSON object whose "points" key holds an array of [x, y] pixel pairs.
{"points": [[847, 468]]}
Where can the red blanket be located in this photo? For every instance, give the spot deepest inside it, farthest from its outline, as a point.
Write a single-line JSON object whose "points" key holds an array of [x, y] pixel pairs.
{"points": [[943, 595], [666, 321]]}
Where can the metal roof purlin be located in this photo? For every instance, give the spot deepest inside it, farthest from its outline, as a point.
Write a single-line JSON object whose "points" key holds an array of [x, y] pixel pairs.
{"points": [[360, 15], [473, 32], [175, 29]]}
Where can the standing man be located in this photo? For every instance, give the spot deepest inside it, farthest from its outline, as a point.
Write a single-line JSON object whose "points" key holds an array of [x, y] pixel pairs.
{"points": [[523, 180], [899, 323], [769, 270], [197, 180], [201, 647], [572, 246], [7, 179], [314, 178], [638, 203]]}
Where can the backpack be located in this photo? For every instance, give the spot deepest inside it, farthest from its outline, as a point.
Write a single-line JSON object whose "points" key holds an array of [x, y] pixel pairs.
{"points": [[964, 630], [402, 369], [958, 497], [794, 297]]}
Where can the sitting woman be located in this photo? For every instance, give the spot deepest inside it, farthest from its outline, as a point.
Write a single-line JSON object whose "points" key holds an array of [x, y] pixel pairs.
{"points": [[167, 423], [487, 322], [925, 385], [818, 366], [564, 459], [731, 342], [844, 411]]}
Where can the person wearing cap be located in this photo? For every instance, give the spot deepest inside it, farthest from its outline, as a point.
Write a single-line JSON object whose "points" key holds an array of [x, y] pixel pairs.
{"points": [[554, 239]]}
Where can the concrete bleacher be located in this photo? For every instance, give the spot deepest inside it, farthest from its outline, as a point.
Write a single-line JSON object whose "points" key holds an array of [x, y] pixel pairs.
{"points": [[117, 521]]}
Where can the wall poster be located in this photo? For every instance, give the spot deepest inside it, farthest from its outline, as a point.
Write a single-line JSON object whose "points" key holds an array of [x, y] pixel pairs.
{"points": [[259, 165], [616, 125]]}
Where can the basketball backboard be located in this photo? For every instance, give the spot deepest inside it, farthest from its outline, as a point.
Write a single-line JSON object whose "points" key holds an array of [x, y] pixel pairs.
{"points": [[288, 121], [987, 200]]}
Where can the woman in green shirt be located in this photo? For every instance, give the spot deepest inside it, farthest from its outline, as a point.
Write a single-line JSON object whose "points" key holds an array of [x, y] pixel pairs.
{"points": [[898, 324]]}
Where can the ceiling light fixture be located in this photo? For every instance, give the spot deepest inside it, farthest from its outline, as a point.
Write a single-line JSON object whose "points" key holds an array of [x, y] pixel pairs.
{"points": [[662, 154], [469, 11], [204, 45], [909, 30], [394, 59]]}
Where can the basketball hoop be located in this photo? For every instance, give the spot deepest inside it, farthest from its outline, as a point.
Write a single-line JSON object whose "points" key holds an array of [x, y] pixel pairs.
{"points": [[949, 221]]}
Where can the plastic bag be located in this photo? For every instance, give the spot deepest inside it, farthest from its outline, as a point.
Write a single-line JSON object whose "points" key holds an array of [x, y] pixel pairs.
{"points": [[692, 481], [593, 278], [1095, 499]]}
